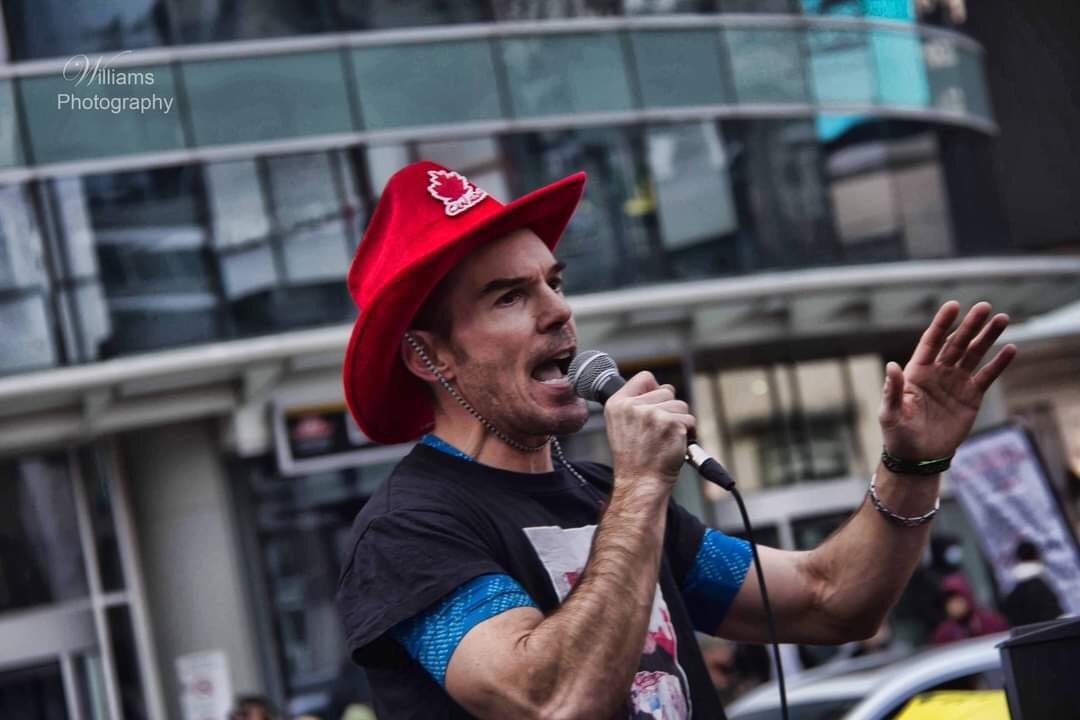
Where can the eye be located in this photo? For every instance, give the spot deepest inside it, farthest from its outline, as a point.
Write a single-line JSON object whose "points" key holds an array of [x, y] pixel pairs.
{"points": [[556, 285], [508, 298]]}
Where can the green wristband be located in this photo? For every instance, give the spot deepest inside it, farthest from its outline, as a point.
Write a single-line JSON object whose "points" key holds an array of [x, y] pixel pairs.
{"points": [[914, 467]]}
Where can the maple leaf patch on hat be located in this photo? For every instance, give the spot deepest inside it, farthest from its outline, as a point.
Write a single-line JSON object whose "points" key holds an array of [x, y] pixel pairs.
{"points": [[454, 190]]}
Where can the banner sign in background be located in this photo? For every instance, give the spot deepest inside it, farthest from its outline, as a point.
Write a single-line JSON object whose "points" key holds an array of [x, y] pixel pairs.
{"points": [[1005, 492]]}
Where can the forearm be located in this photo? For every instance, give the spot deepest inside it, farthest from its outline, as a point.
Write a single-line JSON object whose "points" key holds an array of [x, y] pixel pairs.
{"points": [[581, 659], [862, 569]]}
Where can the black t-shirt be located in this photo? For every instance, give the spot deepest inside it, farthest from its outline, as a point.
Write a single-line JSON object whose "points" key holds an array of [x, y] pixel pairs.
{"points": [[439, 521]]}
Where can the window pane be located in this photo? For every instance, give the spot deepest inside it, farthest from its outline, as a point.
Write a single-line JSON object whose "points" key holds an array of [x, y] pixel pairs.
{"points": [[840, 67], [679, 68], [429, 84], [694, 200], [556, 75], [267, 98], [60, 28], [98, 487], [10, 142], [759, 6], [957, 83], [532, 10], [223, 20], [154, 257], [29, 693], [663, 7], [237, 209], [21, 262], [376, 14], [95, 116], [126, 660], [27, 343], [608, 241], [767, 65], [899, 68], [973, 81], [41, 557]]}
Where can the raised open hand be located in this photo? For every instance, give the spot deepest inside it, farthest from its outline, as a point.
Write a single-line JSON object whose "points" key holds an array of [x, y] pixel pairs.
{"points": [[929, 406]]}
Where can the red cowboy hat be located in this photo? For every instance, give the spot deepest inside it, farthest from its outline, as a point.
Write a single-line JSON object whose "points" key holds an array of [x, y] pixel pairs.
{"points": [[426, 221]]}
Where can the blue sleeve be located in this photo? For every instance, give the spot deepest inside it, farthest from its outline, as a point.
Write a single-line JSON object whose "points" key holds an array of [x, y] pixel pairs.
{"points": [[719, 569], [431, 636]]}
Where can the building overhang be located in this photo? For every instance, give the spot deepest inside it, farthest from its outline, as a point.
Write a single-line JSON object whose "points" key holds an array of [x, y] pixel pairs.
{"points": [[238, 379]]}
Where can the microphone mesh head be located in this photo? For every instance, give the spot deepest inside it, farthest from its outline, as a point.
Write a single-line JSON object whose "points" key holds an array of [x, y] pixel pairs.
{"points": [[585, 368]]}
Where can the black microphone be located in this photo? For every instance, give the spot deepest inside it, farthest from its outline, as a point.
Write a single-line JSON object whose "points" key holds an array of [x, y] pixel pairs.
{"points": [[595, 376]]}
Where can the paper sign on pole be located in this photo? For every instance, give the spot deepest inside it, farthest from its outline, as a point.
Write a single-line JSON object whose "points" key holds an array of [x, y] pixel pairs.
{"points": [[205, 688], [1006, 494]]}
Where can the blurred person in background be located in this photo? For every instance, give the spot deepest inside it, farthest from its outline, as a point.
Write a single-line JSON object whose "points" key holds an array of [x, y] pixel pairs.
{"points": [[963, 617], [1032, 600], [253, 707]]}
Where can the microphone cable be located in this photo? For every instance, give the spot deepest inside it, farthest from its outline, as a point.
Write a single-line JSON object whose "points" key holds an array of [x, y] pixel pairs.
{"points": [[595, 376], [714, 472], [765, 601]]}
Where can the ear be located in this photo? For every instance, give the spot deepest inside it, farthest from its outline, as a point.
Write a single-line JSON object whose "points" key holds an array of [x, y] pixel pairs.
{"points": [[432, 348]]}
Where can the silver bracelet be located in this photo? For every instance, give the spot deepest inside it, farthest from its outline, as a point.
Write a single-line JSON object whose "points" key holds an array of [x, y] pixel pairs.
{"points": [[901, 520]]}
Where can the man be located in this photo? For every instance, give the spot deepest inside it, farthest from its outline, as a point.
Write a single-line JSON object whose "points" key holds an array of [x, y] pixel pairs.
{"points": [[487, 578], [1032, 599]]}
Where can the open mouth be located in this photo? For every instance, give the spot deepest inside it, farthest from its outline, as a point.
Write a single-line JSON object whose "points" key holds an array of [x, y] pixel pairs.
{"points": [[552, 371]]}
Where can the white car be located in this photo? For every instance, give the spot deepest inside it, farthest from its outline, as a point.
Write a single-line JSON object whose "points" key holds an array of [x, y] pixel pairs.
{"points": [[865, 689]]}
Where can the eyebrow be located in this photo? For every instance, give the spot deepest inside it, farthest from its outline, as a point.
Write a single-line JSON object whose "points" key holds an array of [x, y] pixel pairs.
{"points": [[507, 283]]}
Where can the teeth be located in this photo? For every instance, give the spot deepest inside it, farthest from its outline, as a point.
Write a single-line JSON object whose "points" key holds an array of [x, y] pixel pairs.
{"points": [[554, 381]]}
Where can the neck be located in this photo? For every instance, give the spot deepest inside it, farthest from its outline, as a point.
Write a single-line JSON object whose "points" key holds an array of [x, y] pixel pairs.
{"points": [[468, 435]]}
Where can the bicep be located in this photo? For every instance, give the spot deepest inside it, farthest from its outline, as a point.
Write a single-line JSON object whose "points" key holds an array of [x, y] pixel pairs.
{"points": [[793, 595], [483, 667], [465, 641]]}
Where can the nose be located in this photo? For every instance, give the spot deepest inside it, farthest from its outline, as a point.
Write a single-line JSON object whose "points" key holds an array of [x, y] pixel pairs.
{"points": [[555, 312]]}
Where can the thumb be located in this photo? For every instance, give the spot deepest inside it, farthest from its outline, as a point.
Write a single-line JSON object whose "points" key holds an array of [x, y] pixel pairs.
{"points": [[893, 392]]}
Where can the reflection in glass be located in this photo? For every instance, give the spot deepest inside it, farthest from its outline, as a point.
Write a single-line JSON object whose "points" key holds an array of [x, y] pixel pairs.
{"points": [[549, 9], [776, 168], [27, 341], [608, 241], [428, 84], [302, 530], [566, 74], [126, 661], [378, 14], [153, 254], [97, 486], [223, 20], [90, 686], [10, 144], [73, 131], [266, 98], [767, 65], [40, 552], [841, 69], [33, 692], [61, 28], [679, 68], [663, 7], [957, 83], [694, 201]]}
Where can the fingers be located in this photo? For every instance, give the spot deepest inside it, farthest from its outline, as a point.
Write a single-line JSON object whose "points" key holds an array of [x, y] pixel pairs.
{"points": [[639, 384], [983, 342], [893, 393], [986, 377], [957, 342], [934, 337]]}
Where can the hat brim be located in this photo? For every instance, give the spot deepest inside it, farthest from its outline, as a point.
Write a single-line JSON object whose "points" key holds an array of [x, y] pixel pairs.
{"points": [[389, 403]]}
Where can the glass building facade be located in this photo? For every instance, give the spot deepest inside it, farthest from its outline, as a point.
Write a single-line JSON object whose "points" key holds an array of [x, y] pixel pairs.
{"points": [[175, 174]]}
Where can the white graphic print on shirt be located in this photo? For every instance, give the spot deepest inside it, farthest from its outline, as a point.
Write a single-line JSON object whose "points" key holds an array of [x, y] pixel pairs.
{"points": [[660, 689]]}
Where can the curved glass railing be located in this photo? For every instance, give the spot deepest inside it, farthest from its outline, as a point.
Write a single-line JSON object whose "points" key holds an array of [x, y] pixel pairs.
{"points": [[176, 104]]}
